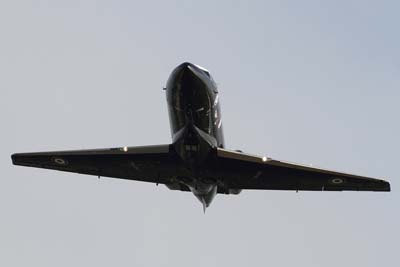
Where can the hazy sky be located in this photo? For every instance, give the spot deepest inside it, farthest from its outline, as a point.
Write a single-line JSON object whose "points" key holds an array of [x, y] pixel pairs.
{"points": [[305, 81]]}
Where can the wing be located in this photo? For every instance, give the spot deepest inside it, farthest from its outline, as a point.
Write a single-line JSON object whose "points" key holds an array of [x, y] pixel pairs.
{"points": [[157, 164], [243, 171]]}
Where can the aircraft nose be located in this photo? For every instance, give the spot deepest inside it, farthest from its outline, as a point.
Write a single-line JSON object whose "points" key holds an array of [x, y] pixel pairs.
{"points": [[185, 70], [184, 65], [189, 78], [189, 73]]}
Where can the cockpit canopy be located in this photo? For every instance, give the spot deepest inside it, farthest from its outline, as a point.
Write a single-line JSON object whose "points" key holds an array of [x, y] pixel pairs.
{"points": [[203, 69], [206, 72]]}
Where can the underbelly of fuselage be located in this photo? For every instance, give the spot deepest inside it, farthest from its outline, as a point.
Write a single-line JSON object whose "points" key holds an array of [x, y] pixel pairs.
{"points": [[195, 126]]}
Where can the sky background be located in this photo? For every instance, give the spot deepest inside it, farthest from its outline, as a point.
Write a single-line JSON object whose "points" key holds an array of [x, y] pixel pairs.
{"points": [[304, 81]]}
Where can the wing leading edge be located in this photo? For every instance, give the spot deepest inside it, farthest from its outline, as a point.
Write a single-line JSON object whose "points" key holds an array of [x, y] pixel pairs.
{"points": [[244, 171]]}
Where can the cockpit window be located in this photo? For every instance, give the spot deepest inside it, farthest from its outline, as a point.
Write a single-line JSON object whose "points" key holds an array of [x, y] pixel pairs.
{"points": [[204, 70], [214, 84]]}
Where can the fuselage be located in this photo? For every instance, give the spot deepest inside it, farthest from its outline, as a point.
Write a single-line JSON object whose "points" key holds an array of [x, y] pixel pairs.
{"points": [[195, 120]]}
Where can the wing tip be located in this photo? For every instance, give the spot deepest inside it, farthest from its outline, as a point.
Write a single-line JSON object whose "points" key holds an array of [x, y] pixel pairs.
{"points": [[14, 158], [386, 186], [382, 186], [18, 159]]}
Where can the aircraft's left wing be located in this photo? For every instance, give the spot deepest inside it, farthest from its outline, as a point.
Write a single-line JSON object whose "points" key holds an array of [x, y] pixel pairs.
{"points": [[157, 164], [244, 171]]}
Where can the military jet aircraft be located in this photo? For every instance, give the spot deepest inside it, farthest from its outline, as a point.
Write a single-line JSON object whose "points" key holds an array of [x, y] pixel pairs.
{"points": [[197, 160]]}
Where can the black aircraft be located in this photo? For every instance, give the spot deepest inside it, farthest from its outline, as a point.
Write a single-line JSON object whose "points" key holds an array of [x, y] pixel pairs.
{"points": [[197, 160]]}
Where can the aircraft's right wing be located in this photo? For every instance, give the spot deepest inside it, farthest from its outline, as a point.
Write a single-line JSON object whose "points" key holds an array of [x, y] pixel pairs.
{"points": [[157, 164], [244, 171]]}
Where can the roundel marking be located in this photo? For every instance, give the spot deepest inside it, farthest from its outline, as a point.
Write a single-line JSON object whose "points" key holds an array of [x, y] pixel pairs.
{"points": [[337, 181], [60, 161]]}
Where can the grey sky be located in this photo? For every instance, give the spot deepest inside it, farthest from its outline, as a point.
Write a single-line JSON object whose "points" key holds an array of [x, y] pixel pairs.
{"points": [[304, 81]]}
